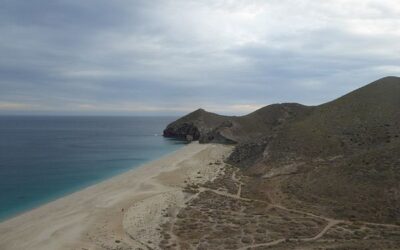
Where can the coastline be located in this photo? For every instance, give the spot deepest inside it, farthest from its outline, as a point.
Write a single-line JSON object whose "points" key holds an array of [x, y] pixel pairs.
{"points": [[123, 210], [79, 187]]}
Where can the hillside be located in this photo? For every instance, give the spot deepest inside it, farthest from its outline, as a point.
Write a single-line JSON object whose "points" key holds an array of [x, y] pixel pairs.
{"points": [[339, 159], [348, 149]]}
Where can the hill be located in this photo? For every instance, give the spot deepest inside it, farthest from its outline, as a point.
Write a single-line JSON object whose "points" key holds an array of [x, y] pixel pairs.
{"points": [[340, 158]]}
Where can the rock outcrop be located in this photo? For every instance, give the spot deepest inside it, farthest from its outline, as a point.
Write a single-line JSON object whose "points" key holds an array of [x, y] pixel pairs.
{"points": [[187, 131], [202, 126]]}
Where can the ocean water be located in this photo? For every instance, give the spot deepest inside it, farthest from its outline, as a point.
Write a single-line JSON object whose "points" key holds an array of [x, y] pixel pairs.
{"points": [[44, 158]]}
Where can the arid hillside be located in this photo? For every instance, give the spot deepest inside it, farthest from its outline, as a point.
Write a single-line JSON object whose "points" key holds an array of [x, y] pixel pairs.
{"points": [[338, 159]]}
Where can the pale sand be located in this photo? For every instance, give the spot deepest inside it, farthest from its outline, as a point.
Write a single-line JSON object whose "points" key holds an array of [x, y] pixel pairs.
{"points": [[128, 208]]}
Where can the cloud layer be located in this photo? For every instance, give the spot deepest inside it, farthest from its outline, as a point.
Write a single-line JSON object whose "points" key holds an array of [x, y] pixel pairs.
{"points": [[170, 57]]}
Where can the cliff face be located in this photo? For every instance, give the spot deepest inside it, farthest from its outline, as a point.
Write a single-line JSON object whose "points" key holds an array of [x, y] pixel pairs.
{"points": [[341, 158], [199, 125], [188, 131]]}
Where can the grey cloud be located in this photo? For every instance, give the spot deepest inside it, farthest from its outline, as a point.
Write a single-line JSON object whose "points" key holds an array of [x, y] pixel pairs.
{"points": [[62, 56]]}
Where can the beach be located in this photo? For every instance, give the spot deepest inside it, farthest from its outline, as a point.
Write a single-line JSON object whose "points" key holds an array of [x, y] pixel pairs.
{"points": [[122, 212]]}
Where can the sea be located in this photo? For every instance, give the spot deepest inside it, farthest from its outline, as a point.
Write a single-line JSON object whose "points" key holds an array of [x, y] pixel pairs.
{"points": [[43, 158]]}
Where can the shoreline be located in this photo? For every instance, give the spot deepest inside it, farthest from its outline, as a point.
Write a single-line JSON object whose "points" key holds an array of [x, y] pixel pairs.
{"points": [[116, 211], [81, 187]]}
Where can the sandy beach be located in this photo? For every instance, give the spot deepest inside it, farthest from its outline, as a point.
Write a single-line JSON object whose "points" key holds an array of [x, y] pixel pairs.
{"points": [[122, 212]]}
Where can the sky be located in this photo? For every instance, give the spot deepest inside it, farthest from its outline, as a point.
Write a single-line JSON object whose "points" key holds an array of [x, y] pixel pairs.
{"points": [[165, 57]]}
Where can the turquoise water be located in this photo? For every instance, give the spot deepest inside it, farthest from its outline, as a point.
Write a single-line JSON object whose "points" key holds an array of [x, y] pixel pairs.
{"points": [[44, 158]]}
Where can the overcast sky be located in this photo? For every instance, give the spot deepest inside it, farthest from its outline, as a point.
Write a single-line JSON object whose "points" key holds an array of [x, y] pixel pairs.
{"points": [[171, 57]]}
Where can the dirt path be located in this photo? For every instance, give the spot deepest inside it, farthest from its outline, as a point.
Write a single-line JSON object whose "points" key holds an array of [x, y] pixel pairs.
{"points": [[323, 231], [238, 183], [272, 243]]}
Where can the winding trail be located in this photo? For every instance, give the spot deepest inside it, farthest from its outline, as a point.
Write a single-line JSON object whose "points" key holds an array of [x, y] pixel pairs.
{"points": [[323, 231], [238, 183], [272, 243]]}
